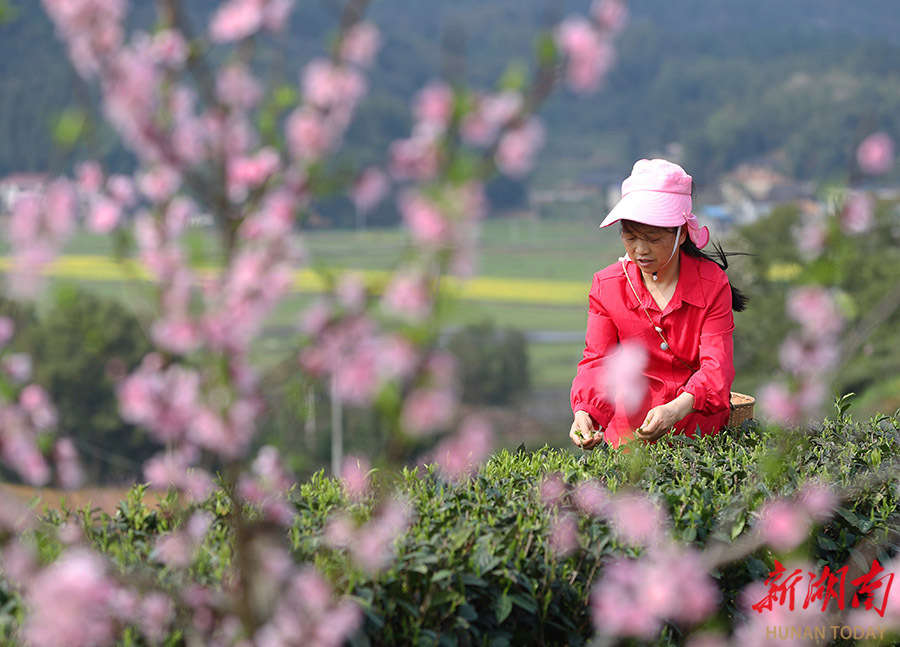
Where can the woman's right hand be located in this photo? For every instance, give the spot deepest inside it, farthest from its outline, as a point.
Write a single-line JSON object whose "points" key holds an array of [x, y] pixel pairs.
{"points": [[583, 432]]}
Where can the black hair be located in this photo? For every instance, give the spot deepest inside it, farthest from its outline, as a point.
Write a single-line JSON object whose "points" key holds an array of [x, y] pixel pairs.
{"points": [[720, 258]]}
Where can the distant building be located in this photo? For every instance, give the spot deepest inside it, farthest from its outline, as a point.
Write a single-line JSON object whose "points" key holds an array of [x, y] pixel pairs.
{"points": [[17, 185]]}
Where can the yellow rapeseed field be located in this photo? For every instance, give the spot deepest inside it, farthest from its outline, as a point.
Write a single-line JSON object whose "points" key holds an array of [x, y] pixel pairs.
{"points": [[494, 289]]}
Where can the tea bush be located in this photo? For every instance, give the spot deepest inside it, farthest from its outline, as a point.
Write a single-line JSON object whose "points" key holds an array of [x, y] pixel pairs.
{"points": [[476, 566]]}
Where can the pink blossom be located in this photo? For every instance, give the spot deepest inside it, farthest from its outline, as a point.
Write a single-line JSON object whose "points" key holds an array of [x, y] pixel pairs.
{"points": [[309, 136], [397, 357], [875, 154], [858, 214], [276, 14], [250, 172], [236, 20], [356, 380], [778, 404], [610, 14], [20, 453], [818, 500], [624, 375], [617, 607], [753, 632], [408, 297], [89, 176], [159, 183], [458, 456], [416, 158], [104, 216], [552, 490], [329, 86], [370, 188], [170, 47], [7, 330], [355, 476], [92, 30], [70, 603], [564, 535], [433, 106], [814, 308], [19, 562], [121, 189], [427, 410], [351, 291], [175, 550], [155, 616], [427, 224], [810, 237], [518, 147], [374, 545], [360, 44], [591, 498], [492, 112], [811, 357], [783, 524], [237, 87], [590, 56], [34, 399], [67, 465], [637, 519]]}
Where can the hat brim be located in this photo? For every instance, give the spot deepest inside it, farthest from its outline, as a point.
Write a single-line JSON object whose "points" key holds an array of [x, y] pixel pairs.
{"points": [[655, 208]]}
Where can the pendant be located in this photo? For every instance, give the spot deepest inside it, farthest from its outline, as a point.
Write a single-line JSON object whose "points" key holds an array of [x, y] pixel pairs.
{"points": [[657, 328], [664, 346]]}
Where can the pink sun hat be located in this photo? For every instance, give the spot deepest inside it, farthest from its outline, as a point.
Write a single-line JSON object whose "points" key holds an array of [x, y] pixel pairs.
{"points": [[658, 193]]}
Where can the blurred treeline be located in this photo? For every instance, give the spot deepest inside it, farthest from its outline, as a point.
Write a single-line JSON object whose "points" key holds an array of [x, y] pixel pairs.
{"points": [[799, 82]]}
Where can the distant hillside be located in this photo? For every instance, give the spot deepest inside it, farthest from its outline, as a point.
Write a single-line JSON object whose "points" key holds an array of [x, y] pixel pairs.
{"points": [[729, 81]]}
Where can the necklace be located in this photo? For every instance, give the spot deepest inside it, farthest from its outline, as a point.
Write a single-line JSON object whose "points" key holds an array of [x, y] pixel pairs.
{"points": [[659, 331]]}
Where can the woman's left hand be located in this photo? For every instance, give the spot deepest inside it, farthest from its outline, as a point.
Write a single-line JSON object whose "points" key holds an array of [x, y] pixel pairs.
{"points": [[661, 419]]}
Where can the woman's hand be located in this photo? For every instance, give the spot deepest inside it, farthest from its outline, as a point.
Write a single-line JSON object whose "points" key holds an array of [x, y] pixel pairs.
{"points": [[661, 419], [583, 432]]}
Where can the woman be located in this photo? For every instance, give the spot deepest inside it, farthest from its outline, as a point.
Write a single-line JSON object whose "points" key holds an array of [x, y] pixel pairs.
{"points": [[672, 300]]}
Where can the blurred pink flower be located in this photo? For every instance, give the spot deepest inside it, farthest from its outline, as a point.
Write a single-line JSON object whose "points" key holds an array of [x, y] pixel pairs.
{"points": [[427, 224], [858, 214], [70, 603], [815, 357], [360, 44], [121, 189], [591, 498], [818, 500], [328, 86], [624, 375], [617, 604], [35, 400], [636, 519], [459, 455], [610, 14], [875, 154], [89, 176], [370, 188], [92, 30], [309, 136], [397, 357], [236, 87], [810, 237], [351, 291], [416, 158], [250, 172], [236, 20], [778, 404], [552, 490], [783, 524], [104, 216], [408, 297], [170, 47], [18, 366], [814, 308], [68, 467], [7, 330], [564, 535], [155, 616], [427, 410], [590, 55], [159, 183], [19, 562], [355, 476], [433, 106], [492, 112], [517, 149]]}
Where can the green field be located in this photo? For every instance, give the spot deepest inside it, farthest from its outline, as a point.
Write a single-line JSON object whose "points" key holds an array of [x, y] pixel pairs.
{"points": [[535, 268]]}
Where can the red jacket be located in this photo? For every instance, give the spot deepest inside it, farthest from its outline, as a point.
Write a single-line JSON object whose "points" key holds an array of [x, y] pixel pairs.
{"points": [[698, 324]]}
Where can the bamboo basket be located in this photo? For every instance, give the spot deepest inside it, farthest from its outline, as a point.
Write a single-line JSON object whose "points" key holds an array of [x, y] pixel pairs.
{"points": [[741, 408]]}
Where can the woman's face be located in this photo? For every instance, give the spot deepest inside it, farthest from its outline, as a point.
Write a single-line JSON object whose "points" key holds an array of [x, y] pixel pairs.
{"points": [[650, 247]]}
